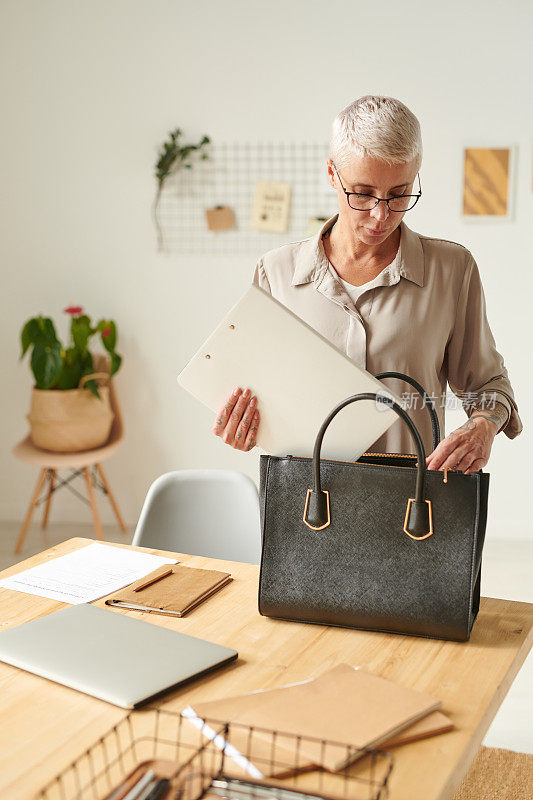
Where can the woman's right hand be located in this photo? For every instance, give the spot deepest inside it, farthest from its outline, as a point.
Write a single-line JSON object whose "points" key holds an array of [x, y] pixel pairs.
{"points": [[238, 420]]}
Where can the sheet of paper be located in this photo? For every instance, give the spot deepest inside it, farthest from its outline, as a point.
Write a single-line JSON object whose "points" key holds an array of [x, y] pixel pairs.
{"points": [[86, 574]]}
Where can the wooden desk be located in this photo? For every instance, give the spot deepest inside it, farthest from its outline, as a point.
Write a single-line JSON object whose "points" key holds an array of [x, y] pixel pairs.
{"points": [[45, 726]]}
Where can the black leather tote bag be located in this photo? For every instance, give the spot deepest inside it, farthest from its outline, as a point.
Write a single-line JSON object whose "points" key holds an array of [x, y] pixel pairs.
{"points": [[377, 544]]}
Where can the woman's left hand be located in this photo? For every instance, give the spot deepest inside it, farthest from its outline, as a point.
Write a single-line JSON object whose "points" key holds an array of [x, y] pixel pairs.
{"points": [[466, 449]]}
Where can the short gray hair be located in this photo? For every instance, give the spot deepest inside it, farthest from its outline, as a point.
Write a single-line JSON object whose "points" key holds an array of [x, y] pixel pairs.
{"points": [[380, 127]]}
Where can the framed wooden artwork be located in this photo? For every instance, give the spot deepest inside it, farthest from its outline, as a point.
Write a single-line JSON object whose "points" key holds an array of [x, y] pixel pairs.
{"points": [[487, 183]]}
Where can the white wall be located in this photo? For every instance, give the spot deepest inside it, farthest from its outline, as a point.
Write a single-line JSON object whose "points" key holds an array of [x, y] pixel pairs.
{"points": [[90, 89]]}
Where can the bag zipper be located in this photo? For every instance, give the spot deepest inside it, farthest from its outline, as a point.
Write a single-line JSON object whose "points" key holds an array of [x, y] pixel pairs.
{"points": [[396, 455]]}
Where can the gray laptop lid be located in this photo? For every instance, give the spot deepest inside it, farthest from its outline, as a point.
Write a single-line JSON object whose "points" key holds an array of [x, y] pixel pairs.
{"points": [[109, 655]]}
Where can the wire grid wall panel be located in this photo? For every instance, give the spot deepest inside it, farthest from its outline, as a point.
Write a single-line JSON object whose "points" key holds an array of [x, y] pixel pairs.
{"points": [[228, 178]]}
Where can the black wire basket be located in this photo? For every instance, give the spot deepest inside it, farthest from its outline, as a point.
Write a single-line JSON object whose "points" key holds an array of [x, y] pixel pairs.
{"points": [[216, 759]]}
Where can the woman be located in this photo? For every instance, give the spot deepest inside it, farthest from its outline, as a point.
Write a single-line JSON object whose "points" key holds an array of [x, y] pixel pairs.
{"points": [[388, 297]]}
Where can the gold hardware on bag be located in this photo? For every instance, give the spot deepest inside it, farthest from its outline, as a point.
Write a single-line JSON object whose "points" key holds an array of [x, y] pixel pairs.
{"points": [[418, 538], [445, 478], [321, 527]]}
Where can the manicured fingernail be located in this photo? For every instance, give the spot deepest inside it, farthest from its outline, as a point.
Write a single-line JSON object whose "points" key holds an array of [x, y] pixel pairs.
{"points": [[253, 401], [237, 390], [246, 393]]}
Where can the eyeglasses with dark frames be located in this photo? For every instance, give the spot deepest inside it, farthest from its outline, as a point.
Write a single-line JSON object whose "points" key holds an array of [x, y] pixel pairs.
{"points": [[366, 202]]}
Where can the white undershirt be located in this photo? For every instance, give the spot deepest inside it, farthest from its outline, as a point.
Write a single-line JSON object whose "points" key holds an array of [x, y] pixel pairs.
{"points": [[356, 291]]}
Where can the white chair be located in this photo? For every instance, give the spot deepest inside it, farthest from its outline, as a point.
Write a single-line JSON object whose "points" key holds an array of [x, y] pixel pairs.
{"points": [[205, 512]]}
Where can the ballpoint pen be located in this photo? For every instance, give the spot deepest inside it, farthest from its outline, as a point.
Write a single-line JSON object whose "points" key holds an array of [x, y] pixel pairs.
{"points": [[125, 789], [135, 793], [240, 789], [157, 788], [153, 580]]}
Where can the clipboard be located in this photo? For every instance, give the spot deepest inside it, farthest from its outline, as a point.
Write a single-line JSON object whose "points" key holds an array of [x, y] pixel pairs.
{"points": [[171, 589], [297, 375]]}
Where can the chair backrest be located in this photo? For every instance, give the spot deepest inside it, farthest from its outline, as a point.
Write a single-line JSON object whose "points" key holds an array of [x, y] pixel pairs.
{"points": [[206, 512]]}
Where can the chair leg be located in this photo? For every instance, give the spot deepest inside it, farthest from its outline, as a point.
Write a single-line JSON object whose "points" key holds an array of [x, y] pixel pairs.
{"points": [[51, 483], [26, 524], [92, 501], [111, 496]]}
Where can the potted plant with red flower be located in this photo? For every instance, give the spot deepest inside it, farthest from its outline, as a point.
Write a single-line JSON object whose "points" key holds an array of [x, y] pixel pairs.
{"points": [[70, 408]]}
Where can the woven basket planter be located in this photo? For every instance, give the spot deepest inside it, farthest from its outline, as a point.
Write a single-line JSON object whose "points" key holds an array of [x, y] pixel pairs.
{"points": [[70, 420]]}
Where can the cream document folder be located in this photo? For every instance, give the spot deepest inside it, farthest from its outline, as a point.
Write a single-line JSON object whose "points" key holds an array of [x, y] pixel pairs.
{"points": [[297, 375]]}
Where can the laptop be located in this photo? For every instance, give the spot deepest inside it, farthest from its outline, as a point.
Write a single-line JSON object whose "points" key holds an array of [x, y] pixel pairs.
{"points": [[298, 376], [125, 661]]}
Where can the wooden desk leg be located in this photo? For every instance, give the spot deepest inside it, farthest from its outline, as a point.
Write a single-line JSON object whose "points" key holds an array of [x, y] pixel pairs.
{"points": [[112, 500], [51, 483], [92, 500], [26, 524]]}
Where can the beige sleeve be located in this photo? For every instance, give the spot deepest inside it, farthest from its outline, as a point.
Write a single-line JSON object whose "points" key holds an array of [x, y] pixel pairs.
{"points": [[475, 366], [260, 277]]}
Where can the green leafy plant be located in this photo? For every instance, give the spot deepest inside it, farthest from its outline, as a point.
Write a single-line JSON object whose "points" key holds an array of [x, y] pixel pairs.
{"points": [[173, 156], [57, 367]]}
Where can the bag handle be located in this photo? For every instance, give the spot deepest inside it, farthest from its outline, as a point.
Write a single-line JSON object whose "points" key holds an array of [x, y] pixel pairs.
{"points": [[418, 515], [422, 392], [91, 376]]}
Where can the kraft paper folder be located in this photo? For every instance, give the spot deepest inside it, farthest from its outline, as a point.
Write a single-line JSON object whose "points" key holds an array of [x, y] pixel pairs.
{"points": [[342, 705], [176, 593]]}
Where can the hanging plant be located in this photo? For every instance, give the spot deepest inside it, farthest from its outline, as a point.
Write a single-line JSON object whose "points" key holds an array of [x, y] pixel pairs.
{"points": [[173, 156]]}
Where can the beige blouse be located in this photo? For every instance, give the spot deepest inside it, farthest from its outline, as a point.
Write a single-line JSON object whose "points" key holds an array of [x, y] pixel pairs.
{"points": [[424, 315]]}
